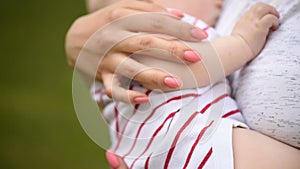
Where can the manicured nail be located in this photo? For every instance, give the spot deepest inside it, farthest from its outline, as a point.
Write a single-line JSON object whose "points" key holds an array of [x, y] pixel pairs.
{"points": [[112, 159], [205, 33], [191, 56], [199, 33], [176, 13], [172, 82], [141, 99]]}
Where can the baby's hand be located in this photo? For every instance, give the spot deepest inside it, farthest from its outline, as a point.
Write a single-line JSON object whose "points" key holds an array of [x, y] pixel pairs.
{"points": [[255, 25]]}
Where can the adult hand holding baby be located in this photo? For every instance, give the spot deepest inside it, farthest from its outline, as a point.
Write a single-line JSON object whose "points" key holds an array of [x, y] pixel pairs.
{"points": [[118, 49]]}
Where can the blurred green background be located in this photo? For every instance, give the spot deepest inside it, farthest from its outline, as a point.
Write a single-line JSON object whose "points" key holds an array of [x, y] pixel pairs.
{"points": [[39, 128]]}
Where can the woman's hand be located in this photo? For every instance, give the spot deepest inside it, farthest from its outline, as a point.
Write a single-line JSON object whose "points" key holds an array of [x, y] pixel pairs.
{"points": [[115, 161], [92, 50]]}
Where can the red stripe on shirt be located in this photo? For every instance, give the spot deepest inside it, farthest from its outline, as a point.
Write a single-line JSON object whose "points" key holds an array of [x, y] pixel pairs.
{"points": [[176, 139], [147, 162], [117, 118], [101, 94], [207, 156], [196, 143], [153, 112], [231, 113], [136, 107], [213, 102], [98, 91], [185, 125], [154, 135]]}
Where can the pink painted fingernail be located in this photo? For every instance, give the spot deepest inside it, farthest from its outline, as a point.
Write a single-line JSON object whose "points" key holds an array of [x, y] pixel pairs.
{"points": [[199, 33], [191, 56], [112, 159], [172, 82], [205, 33], [176, 13], [141, 99]]}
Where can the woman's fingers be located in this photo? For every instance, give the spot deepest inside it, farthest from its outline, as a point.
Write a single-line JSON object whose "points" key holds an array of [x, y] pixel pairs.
{"points": [[121, 64], [118, 88], [157, 79], [151, 6], [125, 19], [270, 21], [112, 159], [149, 77], [158, 47], [145, 6], [89, 38], [115, 89], [162, 24], [115, 161], [130, 7], [153, 22]]}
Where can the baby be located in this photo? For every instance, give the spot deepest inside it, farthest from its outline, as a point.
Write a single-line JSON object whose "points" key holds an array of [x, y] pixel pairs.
{"points": [[192, 127]]}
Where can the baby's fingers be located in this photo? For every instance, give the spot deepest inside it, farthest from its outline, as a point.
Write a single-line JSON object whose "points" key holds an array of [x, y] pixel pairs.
{"points": [[150, 77], [270, 21], [262, 9]]}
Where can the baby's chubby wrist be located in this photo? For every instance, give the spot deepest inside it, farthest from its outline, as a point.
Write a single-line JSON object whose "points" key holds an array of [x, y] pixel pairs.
{"points": [[244, 46]]}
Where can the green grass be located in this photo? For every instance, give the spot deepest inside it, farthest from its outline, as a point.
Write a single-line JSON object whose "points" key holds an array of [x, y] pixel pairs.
{"points": [[39, 127]]}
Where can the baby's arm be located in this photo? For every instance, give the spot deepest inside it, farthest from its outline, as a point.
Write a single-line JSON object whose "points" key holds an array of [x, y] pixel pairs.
{"points": [[245, 42], [247, 38]]}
